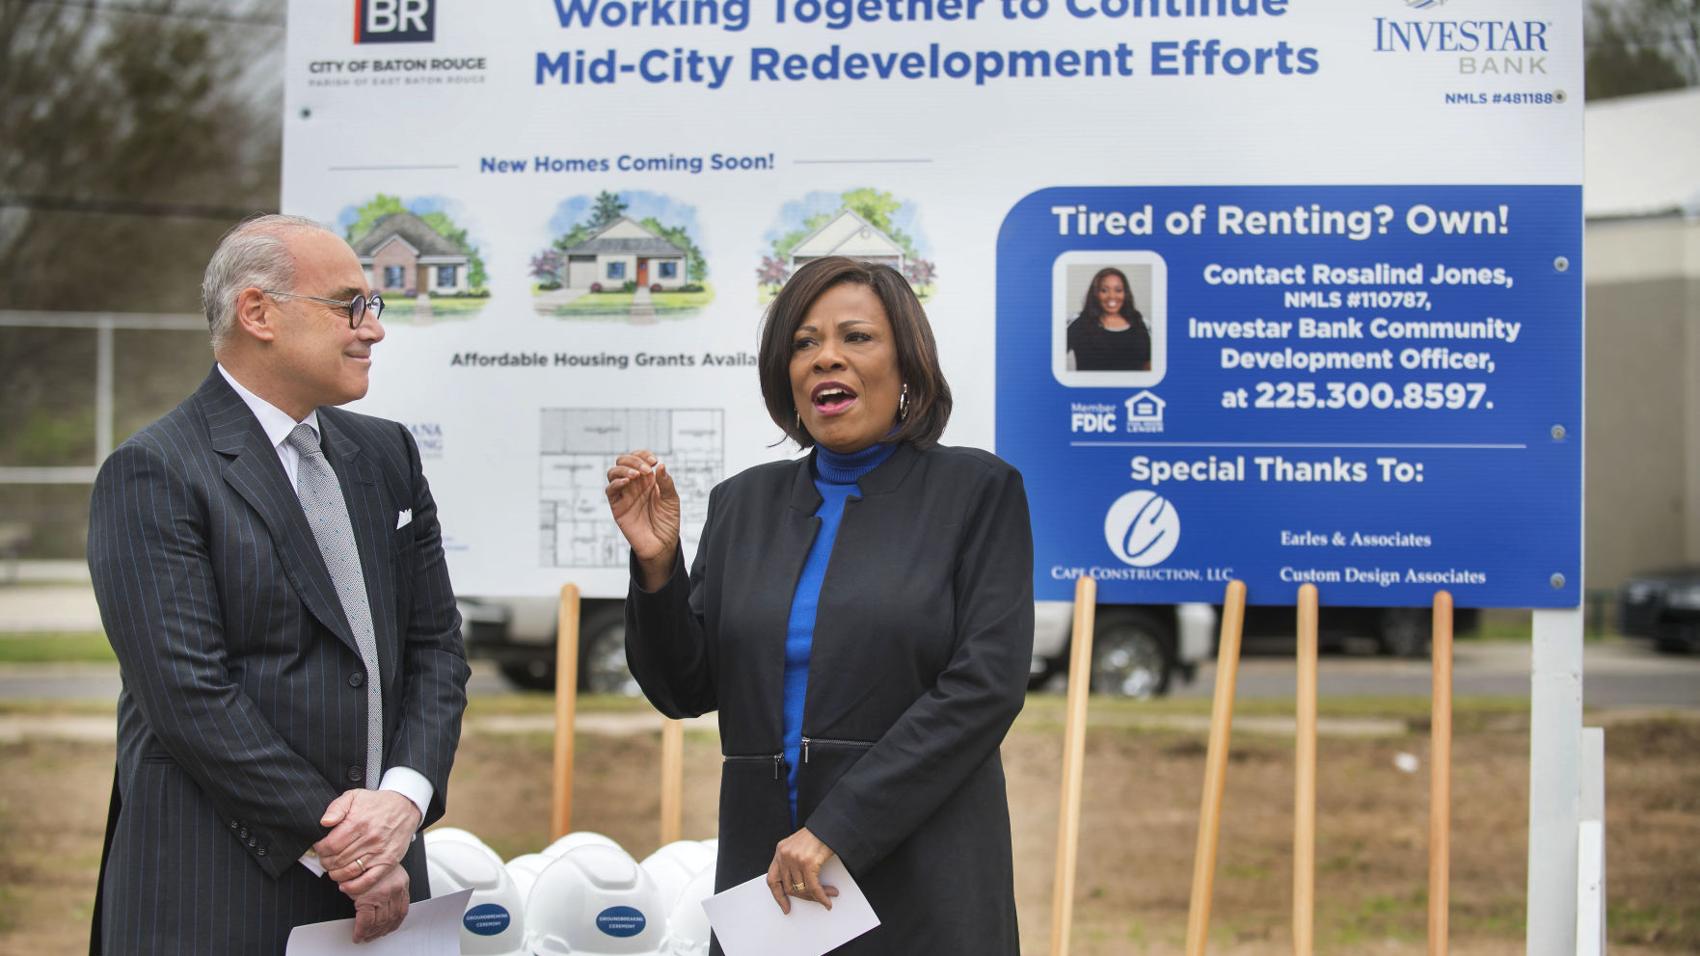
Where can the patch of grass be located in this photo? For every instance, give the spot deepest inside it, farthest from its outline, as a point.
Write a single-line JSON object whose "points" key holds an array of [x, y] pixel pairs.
{"points": [[57, 708], [402, 310], [1652, 923], [1501, 917], [1378, 917], [682, 301], [597, 303], [55, 647]]}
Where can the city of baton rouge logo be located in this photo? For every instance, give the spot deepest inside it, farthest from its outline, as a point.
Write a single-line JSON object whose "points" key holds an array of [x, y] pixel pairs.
{"points": [[395, 21], [1142, 528]]}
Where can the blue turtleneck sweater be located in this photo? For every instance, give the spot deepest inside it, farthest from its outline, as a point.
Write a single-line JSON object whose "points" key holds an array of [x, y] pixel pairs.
{"points": [[835, 478]]}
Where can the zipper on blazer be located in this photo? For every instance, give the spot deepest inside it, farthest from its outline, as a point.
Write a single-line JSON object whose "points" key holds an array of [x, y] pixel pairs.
{"points": [[828, 741], [778, 760]]}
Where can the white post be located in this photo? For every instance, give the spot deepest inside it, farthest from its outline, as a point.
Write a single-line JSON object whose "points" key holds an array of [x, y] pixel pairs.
{"points": [[1591, 847], [1555, 780], [103, 405]]}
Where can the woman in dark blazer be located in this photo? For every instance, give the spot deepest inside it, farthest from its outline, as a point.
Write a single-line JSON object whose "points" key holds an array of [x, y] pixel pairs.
{"points": [[861, 617], [1109, 335]]}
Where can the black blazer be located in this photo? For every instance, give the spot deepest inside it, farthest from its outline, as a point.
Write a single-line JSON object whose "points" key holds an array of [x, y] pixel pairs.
{"points": [[920, 661], [243, 711]]}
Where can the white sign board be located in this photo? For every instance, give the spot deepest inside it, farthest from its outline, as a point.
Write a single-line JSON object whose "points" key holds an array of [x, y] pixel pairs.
{"points": [[577, 209]]}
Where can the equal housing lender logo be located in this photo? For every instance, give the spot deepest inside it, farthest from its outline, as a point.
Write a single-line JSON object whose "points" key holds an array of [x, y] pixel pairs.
{"points": [[395, 21]]}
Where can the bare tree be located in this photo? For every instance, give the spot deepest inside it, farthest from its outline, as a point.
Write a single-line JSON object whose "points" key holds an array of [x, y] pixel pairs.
{"points": [[1641, 46], [130, 137]]}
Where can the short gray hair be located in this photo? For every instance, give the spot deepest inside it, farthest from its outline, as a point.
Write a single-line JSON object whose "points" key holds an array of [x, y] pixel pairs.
{"points": [[253, 253]]}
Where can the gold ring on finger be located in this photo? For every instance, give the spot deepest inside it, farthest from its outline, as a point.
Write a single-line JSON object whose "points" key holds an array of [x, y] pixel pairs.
{"points": [[360, 862], [799, 887]]}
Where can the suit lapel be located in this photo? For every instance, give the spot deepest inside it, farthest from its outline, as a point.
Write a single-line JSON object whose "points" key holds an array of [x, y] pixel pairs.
{"points": [[373, 522], [254, 472]]}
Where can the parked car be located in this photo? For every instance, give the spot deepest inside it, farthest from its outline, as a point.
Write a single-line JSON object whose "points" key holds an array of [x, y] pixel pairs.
{"points": [[1664, 607], [1138, 651]]}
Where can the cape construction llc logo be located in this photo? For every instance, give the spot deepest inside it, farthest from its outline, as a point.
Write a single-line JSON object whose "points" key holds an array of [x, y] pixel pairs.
{"points": [[395, 21], [1142, 528]]}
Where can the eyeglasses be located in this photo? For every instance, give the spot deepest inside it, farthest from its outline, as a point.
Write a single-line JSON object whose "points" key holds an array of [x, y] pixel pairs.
{"points": [[356, 307]]}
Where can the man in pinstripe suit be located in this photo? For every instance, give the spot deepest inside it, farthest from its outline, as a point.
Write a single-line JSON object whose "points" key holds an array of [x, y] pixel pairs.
{"points": [[270, 573]]}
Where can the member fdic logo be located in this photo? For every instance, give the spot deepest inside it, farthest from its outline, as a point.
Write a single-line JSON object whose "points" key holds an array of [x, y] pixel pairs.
{"points": [[395, 21], [1142, 528]]}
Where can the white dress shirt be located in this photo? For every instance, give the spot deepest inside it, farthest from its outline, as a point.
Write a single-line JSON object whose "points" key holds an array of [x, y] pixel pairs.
{"points": [[277, 425]]}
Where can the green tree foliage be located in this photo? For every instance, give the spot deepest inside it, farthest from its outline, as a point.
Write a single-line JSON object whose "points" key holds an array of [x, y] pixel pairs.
{"points": [[383, 205], [574, 236], [875, 206], [696, 266], [1641, 46], [609, 207], [373, 210]]}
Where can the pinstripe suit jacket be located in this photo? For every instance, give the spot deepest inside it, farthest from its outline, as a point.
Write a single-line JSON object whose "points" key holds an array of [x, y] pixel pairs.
{"points": [[243, 712]]}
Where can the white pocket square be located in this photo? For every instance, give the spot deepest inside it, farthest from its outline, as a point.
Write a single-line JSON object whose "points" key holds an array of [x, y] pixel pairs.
{"points": [[402, 518]]}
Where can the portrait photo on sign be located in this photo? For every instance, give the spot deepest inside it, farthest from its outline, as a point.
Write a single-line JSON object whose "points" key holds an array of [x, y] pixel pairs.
{"points": [[1109, 315]]}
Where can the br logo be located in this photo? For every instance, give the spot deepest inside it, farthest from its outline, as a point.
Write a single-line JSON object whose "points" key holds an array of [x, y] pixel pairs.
{"points": [[395, 21], [1142, 528]]}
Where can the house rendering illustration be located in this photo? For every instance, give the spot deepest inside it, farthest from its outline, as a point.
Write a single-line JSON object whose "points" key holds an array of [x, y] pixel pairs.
{"points": [[848, 234], [624, 251], [403, 255]]}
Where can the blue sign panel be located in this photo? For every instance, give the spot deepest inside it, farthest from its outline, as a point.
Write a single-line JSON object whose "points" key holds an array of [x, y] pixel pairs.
{"points": [[1375, 389]]}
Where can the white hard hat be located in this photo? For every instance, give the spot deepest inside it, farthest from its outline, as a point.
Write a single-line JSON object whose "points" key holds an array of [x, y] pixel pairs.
{"points": [[494, 921], [524, 870], [687, 923], [556, 850], [595, 901], [673, 866], [436, 835]]}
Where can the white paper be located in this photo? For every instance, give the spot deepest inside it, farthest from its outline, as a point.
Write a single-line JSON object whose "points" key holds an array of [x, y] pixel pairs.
{"points": [[432, 928], [749, 923]]}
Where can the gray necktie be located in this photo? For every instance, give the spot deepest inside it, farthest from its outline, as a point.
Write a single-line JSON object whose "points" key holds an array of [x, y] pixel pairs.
{"points": [[327, 514]]}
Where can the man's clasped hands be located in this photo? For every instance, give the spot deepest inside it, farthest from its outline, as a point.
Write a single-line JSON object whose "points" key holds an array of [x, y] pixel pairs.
{"points": [[370, 831]]}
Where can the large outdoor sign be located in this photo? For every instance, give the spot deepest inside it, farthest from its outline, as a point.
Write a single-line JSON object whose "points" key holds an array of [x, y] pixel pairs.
{"points": [[1280, 290]]}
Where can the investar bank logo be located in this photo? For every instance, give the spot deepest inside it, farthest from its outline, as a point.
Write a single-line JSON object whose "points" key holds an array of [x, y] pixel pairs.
{"points": [[395, 21]]}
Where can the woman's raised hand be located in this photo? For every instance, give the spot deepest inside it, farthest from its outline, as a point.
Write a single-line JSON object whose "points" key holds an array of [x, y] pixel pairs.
{"points": [[646, 507]]}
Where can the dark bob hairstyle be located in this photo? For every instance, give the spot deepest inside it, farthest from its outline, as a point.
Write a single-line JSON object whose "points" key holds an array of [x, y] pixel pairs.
{"points": [[917, 354], [1091, 311]]}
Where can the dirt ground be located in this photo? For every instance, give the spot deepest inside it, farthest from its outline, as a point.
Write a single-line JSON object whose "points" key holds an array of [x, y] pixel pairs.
{"points": [[1138, 831]]}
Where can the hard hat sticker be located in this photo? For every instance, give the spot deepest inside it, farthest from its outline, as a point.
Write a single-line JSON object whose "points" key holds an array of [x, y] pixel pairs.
{"points": [[621, 921], [487, 919]]}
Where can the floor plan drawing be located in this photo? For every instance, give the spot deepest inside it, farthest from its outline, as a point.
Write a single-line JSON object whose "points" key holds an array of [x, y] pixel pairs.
{"points": [[579, 445]]}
